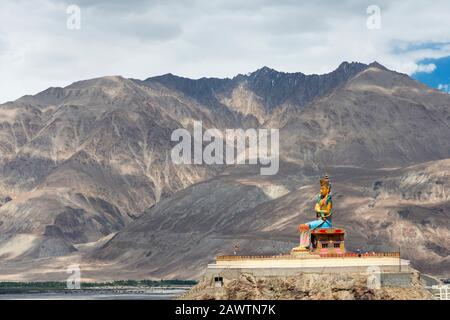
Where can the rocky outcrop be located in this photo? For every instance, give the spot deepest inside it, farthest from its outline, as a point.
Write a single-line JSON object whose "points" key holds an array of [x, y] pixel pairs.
{"points": [[304, 287]]}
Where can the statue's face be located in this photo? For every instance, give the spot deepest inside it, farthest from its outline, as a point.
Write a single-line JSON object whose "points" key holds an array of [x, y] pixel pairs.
{"points": [[324, 191]]}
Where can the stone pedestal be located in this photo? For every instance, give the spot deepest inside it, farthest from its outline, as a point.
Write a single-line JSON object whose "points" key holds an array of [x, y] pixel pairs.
{"points": [[321, 241], [328, 241]]}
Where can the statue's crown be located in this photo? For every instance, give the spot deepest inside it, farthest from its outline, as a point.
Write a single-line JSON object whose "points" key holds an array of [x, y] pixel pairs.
{"points": [[325, 181]]}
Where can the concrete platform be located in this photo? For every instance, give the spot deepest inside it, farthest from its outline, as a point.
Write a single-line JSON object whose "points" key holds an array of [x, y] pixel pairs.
{"points": [[289, 265]]}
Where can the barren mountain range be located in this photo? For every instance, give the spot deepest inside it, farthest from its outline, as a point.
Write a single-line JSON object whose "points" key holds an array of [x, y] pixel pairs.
{"points": [[86, 175]]}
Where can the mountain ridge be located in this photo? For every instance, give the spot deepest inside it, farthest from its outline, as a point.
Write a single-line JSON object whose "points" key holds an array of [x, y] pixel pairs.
{"points": [[92, 159]]}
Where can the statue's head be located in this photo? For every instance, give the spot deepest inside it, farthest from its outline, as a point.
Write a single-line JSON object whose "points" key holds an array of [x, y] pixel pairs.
{"points": [[325, 186]]}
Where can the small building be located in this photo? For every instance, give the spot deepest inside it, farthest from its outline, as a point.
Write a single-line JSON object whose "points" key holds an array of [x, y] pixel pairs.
{"points": [[218, 282]]}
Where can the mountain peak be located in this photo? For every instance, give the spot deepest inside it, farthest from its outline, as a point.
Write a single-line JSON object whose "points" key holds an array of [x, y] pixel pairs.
{"points": [[377, 65], [348, 67], [263, 71]]}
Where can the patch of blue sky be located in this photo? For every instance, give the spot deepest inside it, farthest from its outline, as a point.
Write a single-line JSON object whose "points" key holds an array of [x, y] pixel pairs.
{"points": [[438, 77]]}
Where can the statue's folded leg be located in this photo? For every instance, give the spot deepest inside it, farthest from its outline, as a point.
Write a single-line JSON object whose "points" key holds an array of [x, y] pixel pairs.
{"points": [[319, 223]]}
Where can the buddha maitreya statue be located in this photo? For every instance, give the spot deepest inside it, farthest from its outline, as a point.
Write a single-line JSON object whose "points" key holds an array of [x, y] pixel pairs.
{"points": [[323, 209]]}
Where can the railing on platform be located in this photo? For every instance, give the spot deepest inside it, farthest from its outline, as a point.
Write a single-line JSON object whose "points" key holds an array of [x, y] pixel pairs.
{"points": [[329, 255], [362, 255]]}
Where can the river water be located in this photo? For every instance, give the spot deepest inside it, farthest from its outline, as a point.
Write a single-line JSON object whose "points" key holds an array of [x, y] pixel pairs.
{"points": [[93, 295]]}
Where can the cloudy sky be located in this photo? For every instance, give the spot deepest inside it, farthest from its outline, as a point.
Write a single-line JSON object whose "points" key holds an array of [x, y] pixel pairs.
{"points": [[215, 38]]}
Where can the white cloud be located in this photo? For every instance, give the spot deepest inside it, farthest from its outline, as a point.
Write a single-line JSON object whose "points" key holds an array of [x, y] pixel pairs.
{"points": [[444, 87], [196, 38], [426, 68]]}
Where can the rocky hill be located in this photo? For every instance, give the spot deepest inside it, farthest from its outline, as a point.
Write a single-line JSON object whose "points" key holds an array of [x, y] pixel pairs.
{"points": [[305, 287]]}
